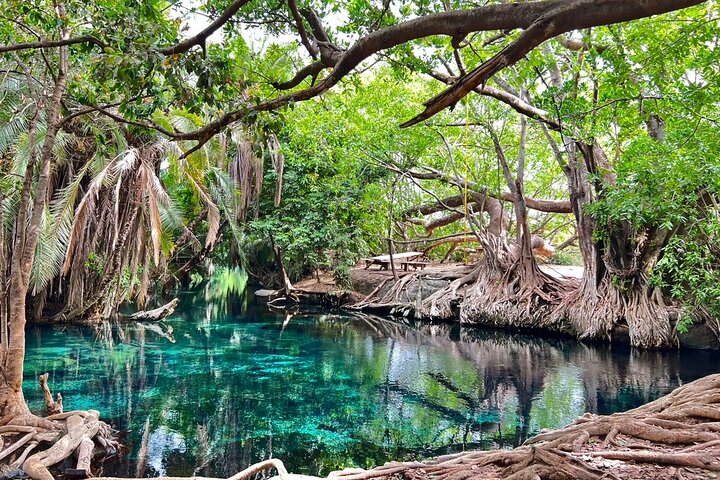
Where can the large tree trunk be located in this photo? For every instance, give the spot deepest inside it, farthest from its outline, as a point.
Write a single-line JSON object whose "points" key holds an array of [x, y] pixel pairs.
{"points": [[510, 289], [12, 348], [614, 292], [12, 402]]}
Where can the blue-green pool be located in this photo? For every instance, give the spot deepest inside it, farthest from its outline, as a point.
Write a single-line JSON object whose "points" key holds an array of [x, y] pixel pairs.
{"points": [[235, 383]]}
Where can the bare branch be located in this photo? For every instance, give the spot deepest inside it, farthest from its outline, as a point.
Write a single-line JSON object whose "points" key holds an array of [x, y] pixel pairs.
{"points": [[101, 109]]}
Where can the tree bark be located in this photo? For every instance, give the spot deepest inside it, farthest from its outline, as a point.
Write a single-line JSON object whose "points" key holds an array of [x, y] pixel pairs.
{"points": [[12, 402]]}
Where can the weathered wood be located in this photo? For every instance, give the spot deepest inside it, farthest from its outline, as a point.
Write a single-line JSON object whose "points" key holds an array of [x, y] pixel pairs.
{"points": [[78, 428], [265, 293], [52, 407], [154, 314], [402, 260], [84, 453]]}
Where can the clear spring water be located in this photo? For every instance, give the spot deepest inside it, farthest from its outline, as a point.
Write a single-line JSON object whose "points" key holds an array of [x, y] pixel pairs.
{"points": [[234, 384]]}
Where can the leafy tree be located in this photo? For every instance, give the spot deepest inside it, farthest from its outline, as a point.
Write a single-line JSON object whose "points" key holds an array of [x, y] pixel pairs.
{"points": [[97, 89]]}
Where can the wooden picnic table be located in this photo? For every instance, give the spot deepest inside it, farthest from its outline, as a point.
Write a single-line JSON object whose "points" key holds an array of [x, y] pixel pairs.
{"points": [[403, 260]]}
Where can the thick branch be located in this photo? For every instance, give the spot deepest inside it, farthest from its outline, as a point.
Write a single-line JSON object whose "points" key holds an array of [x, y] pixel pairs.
{"points": [[509, 99], [315, 24], [52, 43], [180, 47], [434, 207], [554, 21], [507, 16], [311, 70], [541, 205], [541, 20], [312, 49], [533, 36], [201, 37]]}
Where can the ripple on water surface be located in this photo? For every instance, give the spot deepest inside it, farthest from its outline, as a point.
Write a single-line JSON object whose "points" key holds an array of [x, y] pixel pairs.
{"points": [[327, 391]]}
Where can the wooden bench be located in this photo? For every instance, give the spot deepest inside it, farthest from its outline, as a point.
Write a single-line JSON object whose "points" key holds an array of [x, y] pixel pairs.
{"points": [[403, 260], [416, 264]]}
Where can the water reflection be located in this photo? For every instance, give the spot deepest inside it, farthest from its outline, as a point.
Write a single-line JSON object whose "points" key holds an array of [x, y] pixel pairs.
{"points": [[221, 385]]}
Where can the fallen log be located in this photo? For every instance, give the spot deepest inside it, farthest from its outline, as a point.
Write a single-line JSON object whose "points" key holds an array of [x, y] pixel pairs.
{"points": [[153, 315]]}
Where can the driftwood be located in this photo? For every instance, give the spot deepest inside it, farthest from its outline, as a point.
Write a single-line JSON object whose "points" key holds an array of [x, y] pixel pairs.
{"points": [[153, 315], [52, 407], [298, 296]]}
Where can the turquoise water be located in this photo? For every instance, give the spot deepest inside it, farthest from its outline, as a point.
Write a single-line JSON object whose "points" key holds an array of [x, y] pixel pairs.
{"points": [[234, 383]]}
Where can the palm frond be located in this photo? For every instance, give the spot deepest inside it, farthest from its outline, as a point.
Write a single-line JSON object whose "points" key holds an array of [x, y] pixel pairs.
{"points": [[11, 129], [48, 253], [55, 233], [85, 209], [278, 162]]}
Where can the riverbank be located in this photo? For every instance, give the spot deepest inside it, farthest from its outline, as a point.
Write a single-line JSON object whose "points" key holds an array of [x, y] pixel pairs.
{"points": [[376, 283], [436, 278]]}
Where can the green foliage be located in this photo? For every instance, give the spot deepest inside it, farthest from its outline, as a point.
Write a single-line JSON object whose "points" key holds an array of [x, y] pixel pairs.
{"points": [[94, 263], [566, 258], [339, 201], [690, 271], [335, 194], [341, 275]]}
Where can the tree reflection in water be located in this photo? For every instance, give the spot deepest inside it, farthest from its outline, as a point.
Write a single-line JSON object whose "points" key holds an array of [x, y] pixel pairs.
{"points": [[321, 391]]}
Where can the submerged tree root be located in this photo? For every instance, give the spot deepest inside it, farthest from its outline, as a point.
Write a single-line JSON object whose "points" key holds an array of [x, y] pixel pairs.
{"points": [[676, 436]]}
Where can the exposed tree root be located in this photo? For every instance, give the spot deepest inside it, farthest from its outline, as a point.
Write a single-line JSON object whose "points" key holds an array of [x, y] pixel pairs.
{"points": [[52, 407], [595, 308], [249, 472], [503, 291], [411, 293], [34, 444], [78, 432]]}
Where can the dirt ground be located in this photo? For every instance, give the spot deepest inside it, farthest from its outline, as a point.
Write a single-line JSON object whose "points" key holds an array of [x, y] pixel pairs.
{"points": [[365, 280]]}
